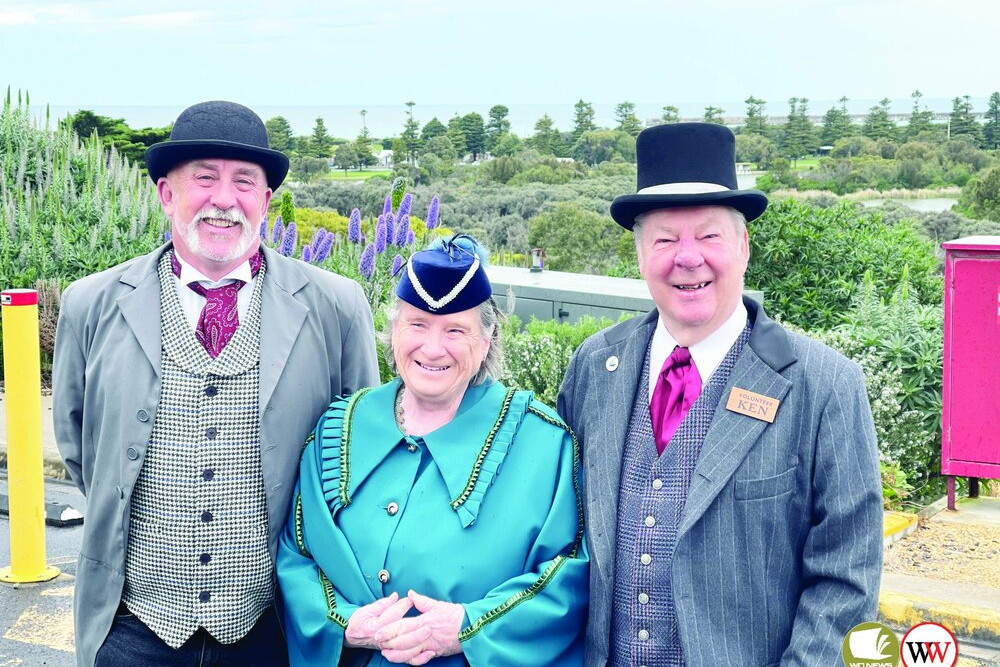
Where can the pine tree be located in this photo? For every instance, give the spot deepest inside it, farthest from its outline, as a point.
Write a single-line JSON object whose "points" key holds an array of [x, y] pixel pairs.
{"points": [[755, 123], [583, 119], [627, 120]]}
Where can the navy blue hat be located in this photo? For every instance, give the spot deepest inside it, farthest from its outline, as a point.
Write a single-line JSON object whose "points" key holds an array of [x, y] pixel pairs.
{"points": [[223, 130], [686, 164], [448, 277]]}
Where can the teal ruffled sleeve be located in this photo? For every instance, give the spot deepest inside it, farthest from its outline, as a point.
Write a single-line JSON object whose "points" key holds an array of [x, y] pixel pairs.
{"points": [[315, 612]]}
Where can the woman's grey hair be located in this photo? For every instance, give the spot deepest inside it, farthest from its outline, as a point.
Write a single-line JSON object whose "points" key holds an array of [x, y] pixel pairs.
{"points": [[490, 320]]}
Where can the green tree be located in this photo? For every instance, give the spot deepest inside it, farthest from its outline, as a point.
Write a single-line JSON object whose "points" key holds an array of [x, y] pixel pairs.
{"points": [[981, 195], [714, 115], [321, 144], [756, 148], [836, 124], [363, 150], [287, 207], [345, 157], [671, 115], [800, 136], [546, 139], [508, 144], [599, 146], [279, 134], [583, 118], [441, 147], [497, 125], [456, 133], [399, 155], [433, 128], [410, 135], [575, 238], [627, 120], [475, 134], [920, 118], [756, 122], [878, 125], [991, 132], [962, 122]]}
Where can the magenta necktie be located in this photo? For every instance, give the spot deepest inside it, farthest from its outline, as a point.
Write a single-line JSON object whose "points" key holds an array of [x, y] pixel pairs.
{"points": [[220, 317], [677, 388]]}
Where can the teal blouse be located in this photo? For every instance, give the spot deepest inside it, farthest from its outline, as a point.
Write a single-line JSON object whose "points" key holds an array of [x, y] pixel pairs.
{"points": [[485, 511]]}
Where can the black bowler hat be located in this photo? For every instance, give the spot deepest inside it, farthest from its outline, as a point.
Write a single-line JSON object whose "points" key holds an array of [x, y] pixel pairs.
{"points": [[686, 164], [222, 130], [448, 277]]}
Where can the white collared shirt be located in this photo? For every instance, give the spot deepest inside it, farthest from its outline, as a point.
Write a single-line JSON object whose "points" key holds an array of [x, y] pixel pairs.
{"points": [[707, 354], [193, 303]]}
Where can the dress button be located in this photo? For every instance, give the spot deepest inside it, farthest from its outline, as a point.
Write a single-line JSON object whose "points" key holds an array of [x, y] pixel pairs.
{"points": [[657, 484], [645, 559], [206, 517], [383, 576], [392, 509], [643, 598], [204, 559], [650, 521], [411, 447], [643, 635], [142, 416], [211, 432], [132, 453], [204, 596], [210, 390], [208, 475]]}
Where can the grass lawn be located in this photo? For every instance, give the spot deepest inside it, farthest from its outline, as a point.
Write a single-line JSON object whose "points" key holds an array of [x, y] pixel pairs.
{"points": [[353, 175], [806, 163]]}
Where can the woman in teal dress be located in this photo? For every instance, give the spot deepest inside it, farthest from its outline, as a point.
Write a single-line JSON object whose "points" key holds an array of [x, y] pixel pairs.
{"points": [[437, 518]]}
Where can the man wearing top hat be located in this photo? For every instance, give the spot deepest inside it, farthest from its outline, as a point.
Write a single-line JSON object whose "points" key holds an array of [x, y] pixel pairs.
{"points": [[731, 480], [184, 384]]}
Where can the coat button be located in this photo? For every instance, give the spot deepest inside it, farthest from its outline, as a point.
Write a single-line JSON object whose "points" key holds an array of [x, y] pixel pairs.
{"points": [[650, 521], [657, 484], [612, 363], [132, 453], [645, 559], [392, 509], [142, 416], [383, 576], [643, 635], [643, 598]]}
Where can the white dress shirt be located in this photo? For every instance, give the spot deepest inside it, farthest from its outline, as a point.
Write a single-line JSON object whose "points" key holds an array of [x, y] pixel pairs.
{"points": [[193, 303], [706, 354]]}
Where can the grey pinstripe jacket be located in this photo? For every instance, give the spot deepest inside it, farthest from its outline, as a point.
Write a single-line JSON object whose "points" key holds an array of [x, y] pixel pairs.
{"points": [[779, 553], [316, 340]]}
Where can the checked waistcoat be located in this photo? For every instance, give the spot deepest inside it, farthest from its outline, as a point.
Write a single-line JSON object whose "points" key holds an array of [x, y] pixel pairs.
{"points": [[652, 494], [197, 553]]}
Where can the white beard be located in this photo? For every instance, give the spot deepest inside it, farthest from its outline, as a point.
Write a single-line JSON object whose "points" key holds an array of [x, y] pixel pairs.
{"points": [[192, 239]]}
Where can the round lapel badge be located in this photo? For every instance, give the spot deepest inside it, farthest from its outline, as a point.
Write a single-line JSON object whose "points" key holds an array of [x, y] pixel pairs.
{"points": [[612, 363]]}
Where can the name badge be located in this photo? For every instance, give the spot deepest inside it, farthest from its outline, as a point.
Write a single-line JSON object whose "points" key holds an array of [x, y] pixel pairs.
{"points": [[758, 406]]}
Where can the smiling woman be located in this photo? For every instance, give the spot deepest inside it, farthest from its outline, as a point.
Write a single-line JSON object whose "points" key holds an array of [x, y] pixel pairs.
{"points": [[412, 547]]}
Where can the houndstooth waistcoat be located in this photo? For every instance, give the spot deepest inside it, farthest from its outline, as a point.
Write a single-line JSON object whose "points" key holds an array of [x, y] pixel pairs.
{"points": [[197, 553], [651, 500]]}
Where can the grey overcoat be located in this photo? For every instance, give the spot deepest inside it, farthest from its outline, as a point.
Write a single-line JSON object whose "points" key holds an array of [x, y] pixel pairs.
{"points": [[316, 341], [779, 552]]}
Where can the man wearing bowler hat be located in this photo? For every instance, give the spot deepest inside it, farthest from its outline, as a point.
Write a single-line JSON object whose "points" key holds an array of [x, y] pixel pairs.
{"points": [[184, 384], [731, 480]]}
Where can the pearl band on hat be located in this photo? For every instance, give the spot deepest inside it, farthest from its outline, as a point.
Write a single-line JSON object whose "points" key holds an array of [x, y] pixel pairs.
{"points": [[436, 304]]}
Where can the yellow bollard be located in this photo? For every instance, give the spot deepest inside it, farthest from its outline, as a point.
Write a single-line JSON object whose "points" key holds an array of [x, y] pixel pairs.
{"points": [[23, 386]]}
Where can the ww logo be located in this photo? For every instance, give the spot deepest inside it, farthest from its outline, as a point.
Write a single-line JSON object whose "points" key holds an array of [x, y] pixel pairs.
{"points": [[929, 644]]}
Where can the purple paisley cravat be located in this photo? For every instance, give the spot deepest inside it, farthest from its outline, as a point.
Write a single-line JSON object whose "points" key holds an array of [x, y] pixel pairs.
{"points": [[220, 317]]}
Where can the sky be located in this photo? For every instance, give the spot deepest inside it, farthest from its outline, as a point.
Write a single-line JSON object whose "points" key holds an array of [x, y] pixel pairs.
{"points": [[454, 56]]}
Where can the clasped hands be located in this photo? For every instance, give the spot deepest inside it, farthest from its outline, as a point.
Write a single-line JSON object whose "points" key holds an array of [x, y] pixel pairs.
{"points": [[416, 640]]}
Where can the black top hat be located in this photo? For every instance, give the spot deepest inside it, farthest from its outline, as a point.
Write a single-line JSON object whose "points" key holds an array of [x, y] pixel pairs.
{"points": [[217, 129], [686, 164]]}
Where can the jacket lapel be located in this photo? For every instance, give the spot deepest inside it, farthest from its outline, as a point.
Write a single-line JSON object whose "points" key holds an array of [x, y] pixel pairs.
{"points": [[141, 306], [606, 433], [281, 318], [731, 434]]}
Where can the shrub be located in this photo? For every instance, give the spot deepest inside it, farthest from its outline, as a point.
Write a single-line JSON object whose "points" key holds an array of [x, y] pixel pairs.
{"points": [[575, 239]]}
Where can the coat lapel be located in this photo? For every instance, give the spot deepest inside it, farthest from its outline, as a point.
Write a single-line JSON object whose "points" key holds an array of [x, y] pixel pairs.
{"points": [[280, 322], [732, 435], [141, 306], [607, 431]]}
